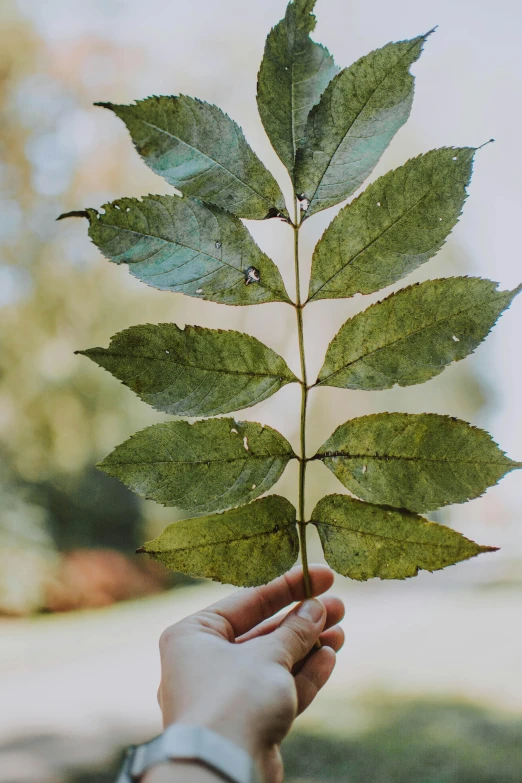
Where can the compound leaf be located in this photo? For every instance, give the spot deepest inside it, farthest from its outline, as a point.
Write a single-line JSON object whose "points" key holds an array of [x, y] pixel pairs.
{"points": [[414, 334], [348, 130], [294, 73], [197, 148], [176, 244], [246, 546], [210, 465], [414, 461], [193, 371], [363, 541], [398, 223]]}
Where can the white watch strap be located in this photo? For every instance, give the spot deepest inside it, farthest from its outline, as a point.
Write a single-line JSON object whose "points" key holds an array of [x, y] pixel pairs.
{"points": [[194, 743]]}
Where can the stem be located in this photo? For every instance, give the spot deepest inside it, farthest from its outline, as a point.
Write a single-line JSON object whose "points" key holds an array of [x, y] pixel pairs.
{"points": [[304, 397]]}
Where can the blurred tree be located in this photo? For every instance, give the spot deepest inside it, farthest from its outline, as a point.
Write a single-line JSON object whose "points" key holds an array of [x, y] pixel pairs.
{"points": [[58, 415]]}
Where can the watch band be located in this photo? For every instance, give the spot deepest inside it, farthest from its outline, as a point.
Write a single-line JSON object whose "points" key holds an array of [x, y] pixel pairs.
{"points": [[190, 743]]}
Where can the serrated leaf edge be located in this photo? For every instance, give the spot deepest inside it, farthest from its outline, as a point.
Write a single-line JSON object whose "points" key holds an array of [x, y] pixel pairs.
{"points": [[313, 297], [113, 106], [514, 292]]}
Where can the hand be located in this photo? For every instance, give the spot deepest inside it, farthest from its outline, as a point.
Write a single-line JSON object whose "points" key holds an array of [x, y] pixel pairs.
{"points": [[245, 674]]}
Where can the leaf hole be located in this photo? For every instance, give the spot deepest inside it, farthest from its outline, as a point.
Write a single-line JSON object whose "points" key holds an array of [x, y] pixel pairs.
{"points": [[252, 275]]}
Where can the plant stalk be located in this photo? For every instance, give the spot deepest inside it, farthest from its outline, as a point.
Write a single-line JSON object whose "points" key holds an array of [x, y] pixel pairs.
{"points": [[304, 398]]}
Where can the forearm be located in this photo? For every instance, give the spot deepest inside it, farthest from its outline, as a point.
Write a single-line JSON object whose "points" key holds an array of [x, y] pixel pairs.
{"points": [[181, 772]]}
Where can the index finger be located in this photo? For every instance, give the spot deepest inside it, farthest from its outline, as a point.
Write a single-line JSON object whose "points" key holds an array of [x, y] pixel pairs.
{"points": [[250, 606]]}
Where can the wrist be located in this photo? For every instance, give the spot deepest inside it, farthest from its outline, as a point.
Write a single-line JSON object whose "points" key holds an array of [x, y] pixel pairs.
{"points": [[210, 755], [174, 771], [236, 730]]}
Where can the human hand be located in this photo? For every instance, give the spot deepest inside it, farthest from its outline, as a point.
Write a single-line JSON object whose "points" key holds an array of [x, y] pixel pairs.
{"points": [[236, 669]]}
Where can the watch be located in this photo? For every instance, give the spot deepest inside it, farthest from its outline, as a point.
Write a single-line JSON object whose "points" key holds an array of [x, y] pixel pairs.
{"points": [[190, 743]]}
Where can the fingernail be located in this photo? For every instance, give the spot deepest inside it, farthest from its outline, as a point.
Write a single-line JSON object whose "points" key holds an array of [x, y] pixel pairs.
{"points": [[311, 610]]}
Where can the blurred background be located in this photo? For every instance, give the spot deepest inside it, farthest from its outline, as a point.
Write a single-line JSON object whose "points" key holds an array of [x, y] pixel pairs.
{"points": [[429, 686]]}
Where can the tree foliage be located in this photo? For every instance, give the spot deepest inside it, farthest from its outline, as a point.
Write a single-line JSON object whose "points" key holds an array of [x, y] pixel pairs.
{"points": [[329, 128]]}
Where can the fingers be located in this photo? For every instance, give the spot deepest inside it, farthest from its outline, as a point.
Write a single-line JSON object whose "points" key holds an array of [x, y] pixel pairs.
{"points": [[297, 634], [314, 674], [334, 614], [248, 607], [333, 638]]}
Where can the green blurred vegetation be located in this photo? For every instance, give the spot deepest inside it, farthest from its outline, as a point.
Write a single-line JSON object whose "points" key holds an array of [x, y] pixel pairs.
{"points": [[418, 742], [411, 742], [58, 414]]}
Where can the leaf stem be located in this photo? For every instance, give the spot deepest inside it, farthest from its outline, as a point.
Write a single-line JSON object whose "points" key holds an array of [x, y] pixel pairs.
{"points": [[304, 398]]}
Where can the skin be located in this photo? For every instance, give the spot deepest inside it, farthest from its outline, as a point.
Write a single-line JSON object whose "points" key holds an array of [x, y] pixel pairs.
{"points": [[245, 674]]}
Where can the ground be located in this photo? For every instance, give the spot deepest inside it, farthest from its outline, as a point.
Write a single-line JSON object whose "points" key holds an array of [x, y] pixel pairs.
{"points": [[427, 689]]}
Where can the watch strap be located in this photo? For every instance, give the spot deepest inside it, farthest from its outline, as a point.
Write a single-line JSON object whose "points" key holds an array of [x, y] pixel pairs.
{"points": [[125, 771], [190, 743]]}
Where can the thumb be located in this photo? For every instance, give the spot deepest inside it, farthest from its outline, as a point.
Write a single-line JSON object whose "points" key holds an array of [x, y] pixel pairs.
{"points": [[298, 632]]}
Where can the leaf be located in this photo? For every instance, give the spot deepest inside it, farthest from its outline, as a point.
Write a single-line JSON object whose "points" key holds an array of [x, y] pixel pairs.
{"points": [[197, 148], [176, 244], [294, 73], [210, 465], [414, 461], [193, 371], [247, 546], [362, 541], [397, 224], [359, 113], [414, 334]]}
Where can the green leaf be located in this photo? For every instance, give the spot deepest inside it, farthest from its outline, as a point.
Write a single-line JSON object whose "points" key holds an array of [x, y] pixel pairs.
{"points": [[247, 546], [414, 334], [414, 461], [193, 371], [176, 244], [197, 148], [362, 541], [398, 223], [293, 75], [210, 465], [360, 111]]}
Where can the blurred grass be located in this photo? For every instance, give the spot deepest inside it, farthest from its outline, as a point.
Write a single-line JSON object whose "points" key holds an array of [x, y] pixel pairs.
{"points": [[406, 742], [419, 742]]}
